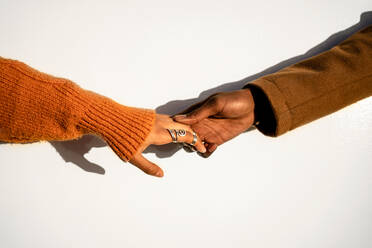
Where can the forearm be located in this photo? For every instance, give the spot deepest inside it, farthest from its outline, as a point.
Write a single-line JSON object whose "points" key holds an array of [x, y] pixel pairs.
{"points": [[317, 86], [36, 106]]}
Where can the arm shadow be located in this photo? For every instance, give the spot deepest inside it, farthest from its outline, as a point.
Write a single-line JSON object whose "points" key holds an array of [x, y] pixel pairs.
{"points": [[74, 150], [176, 106]]}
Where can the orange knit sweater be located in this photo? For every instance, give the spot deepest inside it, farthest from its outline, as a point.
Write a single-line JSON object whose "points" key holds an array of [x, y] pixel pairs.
{"points": [[35, 106]]}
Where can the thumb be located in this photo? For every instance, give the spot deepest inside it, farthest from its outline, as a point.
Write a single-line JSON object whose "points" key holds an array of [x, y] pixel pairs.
{"points": [[146, 166], [207, 109]]}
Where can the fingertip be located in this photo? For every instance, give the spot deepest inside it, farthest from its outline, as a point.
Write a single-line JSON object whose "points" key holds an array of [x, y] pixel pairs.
{"points": [[159, 173], [155, 170], [202, 148], [179, 117], [184, 119], [206, 154], [147, 166], [212, 148]]}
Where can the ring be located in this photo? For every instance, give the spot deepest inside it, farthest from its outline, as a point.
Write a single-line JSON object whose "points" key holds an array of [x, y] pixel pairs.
{"points": [[175, 133], [174, 136], [194, 139], [180, 132]]}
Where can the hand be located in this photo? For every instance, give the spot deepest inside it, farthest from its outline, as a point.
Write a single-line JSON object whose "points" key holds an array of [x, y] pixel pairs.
{"points": [[159, 135], [220, 117]]}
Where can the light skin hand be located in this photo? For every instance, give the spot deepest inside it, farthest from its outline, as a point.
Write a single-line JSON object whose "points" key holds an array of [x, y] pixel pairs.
{"points": [[220, 117], [159, 135]]}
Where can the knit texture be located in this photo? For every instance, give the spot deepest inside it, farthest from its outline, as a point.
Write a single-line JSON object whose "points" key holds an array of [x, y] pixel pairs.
{"points": [[35, 106]]}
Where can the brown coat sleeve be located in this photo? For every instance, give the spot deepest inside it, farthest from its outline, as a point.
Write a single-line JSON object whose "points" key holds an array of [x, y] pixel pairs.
{"points": [[35, 106], [315, 87]]}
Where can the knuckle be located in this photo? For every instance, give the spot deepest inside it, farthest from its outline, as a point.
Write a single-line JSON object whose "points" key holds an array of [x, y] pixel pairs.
{"points": [[149, 169]]}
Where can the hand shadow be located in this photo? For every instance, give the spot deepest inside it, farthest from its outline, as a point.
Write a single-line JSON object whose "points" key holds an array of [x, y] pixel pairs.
{"points": [[73, 151]]}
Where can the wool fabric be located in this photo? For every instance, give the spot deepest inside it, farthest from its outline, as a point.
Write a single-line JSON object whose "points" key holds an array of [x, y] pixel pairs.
{"points": [[35, 106]]}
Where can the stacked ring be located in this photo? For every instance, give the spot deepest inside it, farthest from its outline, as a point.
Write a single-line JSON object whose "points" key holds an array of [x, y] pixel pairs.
{"points": [[180, 132], [194, 139], [174, 133]]}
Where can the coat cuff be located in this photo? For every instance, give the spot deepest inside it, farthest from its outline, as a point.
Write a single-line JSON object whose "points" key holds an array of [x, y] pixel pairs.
{"points": [[271, 108]]}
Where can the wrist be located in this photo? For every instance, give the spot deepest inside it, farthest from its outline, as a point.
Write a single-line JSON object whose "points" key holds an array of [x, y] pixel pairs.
{"points": [[252, 95], [264, 115], [260, 104], [123, 128]]}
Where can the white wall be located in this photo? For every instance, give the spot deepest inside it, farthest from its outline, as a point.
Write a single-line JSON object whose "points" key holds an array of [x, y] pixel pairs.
{"points": [[308, 188]]}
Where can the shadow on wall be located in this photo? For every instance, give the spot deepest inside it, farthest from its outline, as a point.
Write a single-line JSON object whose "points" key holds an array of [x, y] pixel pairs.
{"points": [[174, 107], [73, 151]]}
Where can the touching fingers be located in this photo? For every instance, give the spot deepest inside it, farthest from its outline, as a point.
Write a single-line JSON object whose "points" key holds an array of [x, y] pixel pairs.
{"points": [[193, 139], [181, 133], [210, 149], [188, 136], [200, 146], [146, 166]]}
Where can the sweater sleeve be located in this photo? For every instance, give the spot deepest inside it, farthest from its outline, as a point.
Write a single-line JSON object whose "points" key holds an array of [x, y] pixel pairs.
{"points": [[35, 106], [315, 87]]}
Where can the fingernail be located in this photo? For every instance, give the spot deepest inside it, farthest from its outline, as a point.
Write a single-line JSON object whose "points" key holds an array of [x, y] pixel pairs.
{"points": [[180, 117], [159, 174]]}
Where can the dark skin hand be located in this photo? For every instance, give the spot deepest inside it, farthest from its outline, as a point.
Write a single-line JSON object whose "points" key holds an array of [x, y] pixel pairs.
{"points": [[220, 117]]}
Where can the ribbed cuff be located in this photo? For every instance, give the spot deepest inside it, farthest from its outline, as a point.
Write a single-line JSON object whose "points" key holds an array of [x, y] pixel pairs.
{"points": [[274, 115], [123, 128]]}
